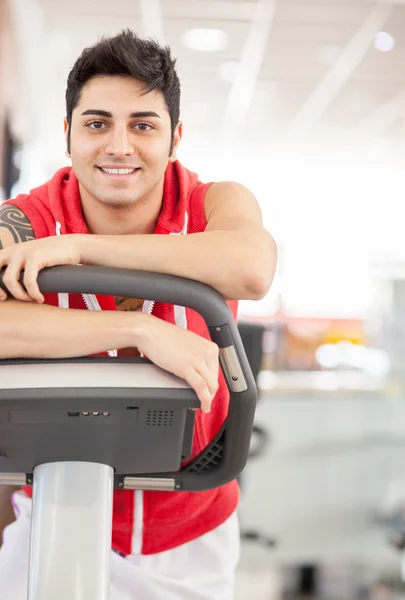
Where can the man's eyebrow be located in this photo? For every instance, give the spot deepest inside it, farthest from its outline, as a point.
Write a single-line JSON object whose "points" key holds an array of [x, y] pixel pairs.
{"points": [[98, 112], [144, 114], [135, 115]]}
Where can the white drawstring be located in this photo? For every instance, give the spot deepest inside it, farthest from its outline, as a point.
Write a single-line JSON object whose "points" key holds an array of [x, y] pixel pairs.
{"points": [[63, 299], [180, 316]]}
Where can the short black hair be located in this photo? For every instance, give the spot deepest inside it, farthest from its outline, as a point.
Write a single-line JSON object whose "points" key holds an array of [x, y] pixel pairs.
{"points": [[126, 55]]}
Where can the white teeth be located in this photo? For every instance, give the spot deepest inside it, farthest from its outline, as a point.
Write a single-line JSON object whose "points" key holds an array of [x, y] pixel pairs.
{"points": [[118, 171]]}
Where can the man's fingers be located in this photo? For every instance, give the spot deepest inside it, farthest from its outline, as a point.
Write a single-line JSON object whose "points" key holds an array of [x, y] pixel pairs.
{"points": [[11, 280], [3, 295], [205, 397], [210, 376], [31, 281], [201, 388]]}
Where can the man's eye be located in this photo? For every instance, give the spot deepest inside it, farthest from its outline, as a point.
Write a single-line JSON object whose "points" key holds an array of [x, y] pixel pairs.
{"points": [[96, 125], [144, 126]]}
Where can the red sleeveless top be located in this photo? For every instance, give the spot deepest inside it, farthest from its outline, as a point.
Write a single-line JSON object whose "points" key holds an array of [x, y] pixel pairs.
{"points": [[147, 522]]}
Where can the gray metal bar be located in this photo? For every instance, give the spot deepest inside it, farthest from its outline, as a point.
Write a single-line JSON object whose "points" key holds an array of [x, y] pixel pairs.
{"points": [[13, 479], [232, 369], [71, 532], [150, 483]]}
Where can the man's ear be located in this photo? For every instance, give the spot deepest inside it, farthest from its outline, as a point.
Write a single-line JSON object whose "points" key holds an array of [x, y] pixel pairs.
{"points": [[66, 131], [178, 134]]}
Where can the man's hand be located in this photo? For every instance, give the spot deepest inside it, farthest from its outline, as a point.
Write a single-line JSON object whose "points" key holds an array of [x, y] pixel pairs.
{"points": [[33, 256], [183, 353]]}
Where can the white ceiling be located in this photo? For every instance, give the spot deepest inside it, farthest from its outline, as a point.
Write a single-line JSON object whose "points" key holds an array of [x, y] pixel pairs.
{"points": [[309, 74]]}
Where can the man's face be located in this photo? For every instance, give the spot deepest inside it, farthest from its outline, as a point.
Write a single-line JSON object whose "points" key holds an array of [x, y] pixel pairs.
{"points": [[120, 140]]}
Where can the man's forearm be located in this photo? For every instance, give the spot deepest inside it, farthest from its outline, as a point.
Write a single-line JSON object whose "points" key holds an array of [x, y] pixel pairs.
{"points": [[30, 330], [238, 265]]}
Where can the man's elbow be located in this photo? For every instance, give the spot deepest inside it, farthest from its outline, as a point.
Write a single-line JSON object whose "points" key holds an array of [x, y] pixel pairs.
{"points": [[259, 272], [258, 285]]}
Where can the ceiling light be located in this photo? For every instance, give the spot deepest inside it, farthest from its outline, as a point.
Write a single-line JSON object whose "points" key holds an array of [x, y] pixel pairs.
{"points": [[205, 40], [383, 41]]}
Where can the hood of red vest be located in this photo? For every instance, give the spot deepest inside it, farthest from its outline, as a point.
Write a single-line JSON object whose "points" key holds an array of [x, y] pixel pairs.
{"points": [[60, 196]]}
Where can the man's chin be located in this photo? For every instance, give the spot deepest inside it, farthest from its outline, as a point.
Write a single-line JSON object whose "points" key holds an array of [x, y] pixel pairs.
{"points": [[118, 201], [116, 198]]}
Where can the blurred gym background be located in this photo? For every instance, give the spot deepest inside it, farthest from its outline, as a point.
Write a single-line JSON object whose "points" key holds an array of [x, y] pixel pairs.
{"points": [[303, 101]]}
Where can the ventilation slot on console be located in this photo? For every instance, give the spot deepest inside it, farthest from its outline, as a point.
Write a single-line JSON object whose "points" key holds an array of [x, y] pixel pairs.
{"points": [[159, 418], [210, 458]]}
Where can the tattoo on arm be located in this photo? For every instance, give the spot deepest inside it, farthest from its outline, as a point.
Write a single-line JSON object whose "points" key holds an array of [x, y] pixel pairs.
{"points": [[119, 300], [128, 304], [14, 221]]}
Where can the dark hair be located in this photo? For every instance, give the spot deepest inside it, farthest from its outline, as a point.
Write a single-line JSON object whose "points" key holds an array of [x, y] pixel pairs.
{"points": [[126, 55]]}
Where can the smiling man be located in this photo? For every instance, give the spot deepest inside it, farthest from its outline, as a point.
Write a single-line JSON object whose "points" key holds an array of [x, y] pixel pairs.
{"points": [[128, 202]]}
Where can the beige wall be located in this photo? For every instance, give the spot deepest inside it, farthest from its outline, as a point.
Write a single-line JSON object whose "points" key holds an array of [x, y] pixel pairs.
{"points": [[2, 59], [6, 58], [8, 63]]}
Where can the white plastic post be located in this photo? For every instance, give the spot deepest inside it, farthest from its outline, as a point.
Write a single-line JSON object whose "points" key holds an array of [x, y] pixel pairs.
{"points": [[71, 532]]}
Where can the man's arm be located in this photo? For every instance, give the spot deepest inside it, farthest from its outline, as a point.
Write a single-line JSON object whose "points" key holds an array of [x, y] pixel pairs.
{"points": [[22, 325], [14, 227], [235, 254]]}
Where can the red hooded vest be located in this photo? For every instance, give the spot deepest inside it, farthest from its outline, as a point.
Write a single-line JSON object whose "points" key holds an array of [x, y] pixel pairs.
{"points": [[146, 522]]}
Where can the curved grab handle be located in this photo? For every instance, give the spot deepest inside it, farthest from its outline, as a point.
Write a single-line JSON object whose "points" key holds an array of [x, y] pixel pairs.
{"points": [[162, 288], [223, 330], [131, 283]]}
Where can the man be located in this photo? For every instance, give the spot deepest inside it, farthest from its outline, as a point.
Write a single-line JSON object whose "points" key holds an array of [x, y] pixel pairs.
{"points": [[127, 202]]}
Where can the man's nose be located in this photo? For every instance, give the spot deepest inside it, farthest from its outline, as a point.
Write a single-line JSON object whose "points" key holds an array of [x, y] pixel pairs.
{"points": [[119, 143]]}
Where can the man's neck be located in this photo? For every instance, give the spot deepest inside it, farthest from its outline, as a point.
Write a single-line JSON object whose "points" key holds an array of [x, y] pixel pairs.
{"points": [[139, 218]]}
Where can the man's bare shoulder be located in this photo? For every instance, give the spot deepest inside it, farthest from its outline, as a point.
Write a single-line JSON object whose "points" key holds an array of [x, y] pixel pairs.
{"points": [[15, 227], [229, 204]]}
